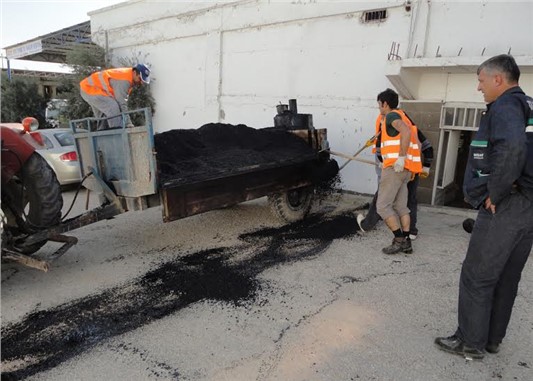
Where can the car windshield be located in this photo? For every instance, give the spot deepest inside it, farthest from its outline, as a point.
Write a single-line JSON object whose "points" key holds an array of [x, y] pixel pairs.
{"points": [[65, 138]]}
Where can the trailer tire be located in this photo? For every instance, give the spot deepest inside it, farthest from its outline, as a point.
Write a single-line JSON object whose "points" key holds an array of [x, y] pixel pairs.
{"points": [[293, 205], [42, 204]]}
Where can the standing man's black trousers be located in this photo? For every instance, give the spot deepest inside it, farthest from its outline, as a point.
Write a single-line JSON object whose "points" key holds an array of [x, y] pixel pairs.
{"points": [[498, 251]]}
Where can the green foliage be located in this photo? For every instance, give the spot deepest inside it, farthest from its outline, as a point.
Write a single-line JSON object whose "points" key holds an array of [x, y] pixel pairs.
{"points": [[20, 98]]}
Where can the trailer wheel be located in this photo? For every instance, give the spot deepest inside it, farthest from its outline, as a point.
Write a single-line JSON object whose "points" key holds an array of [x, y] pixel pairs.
{"points": [[32, 201], [293, 205]]}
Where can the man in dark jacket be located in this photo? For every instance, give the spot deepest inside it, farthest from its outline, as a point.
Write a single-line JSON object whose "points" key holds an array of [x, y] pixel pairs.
{"points": [[498, 181]]}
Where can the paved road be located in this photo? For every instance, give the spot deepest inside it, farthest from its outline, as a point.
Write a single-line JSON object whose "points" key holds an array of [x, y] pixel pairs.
{"points": [[234, 295]]}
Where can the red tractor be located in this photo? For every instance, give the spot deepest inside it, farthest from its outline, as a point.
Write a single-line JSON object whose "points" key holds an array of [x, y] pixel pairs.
{"points": [[31, 195]]}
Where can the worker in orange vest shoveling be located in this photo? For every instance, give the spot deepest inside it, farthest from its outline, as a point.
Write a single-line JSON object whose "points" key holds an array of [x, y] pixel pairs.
{"points": [[400, 150], [107, 92]]}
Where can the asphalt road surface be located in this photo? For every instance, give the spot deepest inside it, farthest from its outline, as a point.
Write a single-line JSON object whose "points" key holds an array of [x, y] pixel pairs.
{"points": [[233, 294]]}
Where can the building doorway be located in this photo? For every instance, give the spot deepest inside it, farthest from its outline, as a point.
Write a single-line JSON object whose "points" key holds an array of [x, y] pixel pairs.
{"points": [[459, 122]]}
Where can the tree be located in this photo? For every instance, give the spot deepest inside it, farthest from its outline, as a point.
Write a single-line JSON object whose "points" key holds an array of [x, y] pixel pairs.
{"points": [[21, 98]]}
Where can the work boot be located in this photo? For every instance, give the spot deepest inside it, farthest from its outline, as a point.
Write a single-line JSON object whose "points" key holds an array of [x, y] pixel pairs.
{"points": [[399, 244], [453, 344], [492, 347]]}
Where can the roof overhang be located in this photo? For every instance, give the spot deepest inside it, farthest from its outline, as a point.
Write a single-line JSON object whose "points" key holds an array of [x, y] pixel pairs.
{"points": [[405, 74], [52, 47]]}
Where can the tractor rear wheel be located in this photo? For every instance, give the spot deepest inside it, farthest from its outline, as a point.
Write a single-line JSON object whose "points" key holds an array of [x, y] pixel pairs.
{"points": [[31, 201]]}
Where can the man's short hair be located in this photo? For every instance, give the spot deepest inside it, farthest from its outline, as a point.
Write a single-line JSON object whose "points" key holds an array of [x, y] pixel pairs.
{"points": [[390, 96], [504, 63]]}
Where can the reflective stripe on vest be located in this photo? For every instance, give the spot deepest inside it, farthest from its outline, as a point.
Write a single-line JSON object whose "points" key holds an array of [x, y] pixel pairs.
{"points": [[390, 146], [98, 83]]}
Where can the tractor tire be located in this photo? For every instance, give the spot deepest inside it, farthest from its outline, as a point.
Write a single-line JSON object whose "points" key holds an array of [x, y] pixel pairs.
{"points": [[293, 205], [32, 200]]}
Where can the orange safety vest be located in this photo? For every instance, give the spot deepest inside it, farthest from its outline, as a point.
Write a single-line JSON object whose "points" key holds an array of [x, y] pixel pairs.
{"points": [[98, 82], [378, 126], [390, 145]]}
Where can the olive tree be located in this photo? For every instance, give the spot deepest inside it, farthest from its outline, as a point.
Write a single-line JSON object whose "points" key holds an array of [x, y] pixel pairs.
{"points": [[20, 98]]}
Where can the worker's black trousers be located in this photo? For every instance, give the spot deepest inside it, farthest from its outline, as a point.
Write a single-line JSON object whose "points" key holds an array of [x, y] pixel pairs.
{"points": [[372, 217], [498, 251]]}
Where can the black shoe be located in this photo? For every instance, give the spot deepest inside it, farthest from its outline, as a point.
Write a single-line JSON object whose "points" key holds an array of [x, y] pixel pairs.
{"points": [[493, 347], [455, 345], [399, 245], [468, 225]]}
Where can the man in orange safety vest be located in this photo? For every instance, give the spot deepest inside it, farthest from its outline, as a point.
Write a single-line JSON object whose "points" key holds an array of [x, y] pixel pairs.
{"points": [[107, 92], [400, 150]]}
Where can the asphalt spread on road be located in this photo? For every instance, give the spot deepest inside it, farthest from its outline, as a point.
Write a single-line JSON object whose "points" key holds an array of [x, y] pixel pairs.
{"points": [[45, 339]]}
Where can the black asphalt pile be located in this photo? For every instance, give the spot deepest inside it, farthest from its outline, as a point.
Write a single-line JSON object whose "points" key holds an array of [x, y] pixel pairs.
{"points": [[45, 339], [218, 150]]}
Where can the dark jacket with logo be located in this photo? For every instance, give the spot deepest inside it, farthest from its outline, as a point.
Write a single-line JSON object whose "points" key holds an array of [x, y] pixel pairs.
{"points": [[501, 154]]}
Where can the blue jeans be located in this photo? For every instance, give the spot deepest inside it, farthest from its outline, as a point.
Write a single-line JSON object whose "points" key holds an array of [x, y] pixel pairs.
{"points": [[497, 253]]}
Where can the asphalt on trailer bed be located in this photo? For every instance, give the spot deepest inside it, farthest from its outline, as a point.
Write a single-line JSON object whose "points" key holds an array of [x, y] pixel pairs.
{"points": [[215, 150]]}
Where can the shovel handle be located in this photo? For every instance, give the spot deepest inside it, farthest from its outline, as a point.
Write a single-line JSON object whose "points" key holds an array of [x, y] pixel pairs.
{"points": [[340, 154]]}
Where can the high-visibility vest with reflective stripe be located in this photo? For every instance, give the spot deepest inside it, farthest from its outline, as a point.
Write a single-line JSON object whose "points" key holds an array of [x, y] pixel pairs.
{"points": [[378, 126], [98, 83], [390, 145]]}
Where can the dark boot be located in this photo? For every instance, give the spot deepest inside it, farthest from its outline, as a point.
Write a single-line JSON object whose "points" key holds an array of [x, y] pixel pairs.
{"points": [[399, 244], [455, 345], [492, 347]]}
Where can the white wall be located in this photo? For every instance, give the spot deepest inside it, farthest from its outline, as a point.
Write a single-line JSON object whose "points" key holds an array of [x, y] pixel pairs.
{"points": [[234, 61], [482, 27]]}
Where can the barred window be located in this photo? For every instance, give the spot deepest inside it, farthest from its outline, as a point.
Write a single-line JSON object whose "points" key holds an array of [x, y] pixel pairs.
{"points": [[375, 16]]}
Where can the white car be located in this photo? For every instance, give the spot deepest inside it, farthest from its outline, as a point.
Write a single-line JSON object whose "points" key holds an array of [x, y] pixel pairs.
{"points": [[60, 153]]}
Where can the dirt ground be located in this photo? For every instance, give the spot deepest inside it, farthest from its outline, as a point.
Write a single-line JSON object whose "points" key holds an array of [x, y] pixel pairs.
{"points": [[233, 294]]}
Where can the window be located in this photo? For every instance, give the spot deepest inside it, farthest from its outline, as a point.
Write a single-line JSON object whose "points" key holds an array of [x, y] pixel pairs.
{"points": [[375, 16], [47, 142], [65, 138], [464, 118]]}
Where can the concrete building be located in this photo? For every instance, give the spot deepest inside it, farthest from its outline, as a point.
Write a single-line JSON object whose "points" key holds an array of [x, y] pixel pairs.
{"points": [[234, 61]]}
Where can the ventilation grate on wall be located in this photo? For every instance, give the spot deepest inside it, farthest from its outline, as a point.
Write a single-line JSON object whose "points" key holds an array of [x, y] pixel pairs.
{"points": [[375, 16]]}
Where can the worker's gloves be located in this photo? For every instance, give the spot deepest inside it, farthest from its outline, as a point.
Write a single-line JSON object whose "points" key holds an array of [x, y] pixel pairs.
{"points": [[129, 125], [399, 164], [425, 173]]}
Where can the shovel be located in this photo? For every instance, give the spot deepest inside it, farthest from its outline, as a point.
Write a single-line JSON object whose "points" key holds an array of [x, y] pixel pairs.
{"points": [[368, 143], [350, 158]]}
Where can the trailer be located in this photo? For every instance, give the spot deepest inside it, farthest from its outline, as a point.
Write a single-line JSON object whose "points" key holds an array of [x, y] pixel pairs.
{"points": [[123, 167]]}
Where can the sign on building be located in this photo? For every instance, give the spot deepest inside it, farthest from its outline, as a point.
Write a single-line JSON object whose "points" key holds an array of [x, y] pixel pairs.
{"points": [[26, 49]]}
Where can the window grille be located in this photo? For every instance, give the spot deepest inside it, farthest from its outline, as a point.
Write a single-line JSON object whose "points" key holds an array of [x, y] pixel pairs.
{"points": [[375, 16]]}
